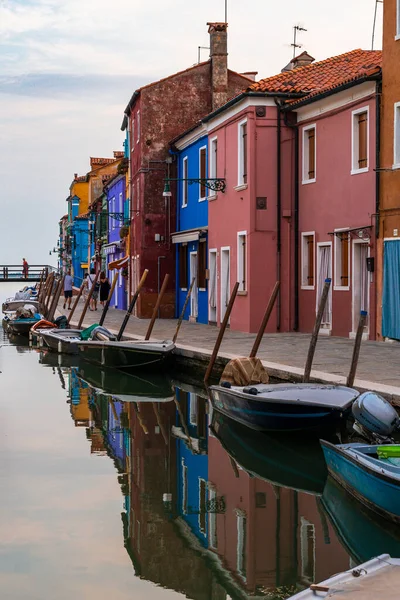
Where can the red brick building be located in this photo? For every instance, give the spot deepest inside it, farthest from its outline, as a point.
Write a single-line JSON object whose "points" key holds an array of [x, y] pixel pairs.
{"points": [[156, 114]]}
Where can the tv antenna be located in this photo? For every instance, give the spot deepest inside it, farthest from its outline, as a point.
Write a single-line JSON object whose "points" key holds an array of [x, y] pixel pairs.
{"points": [[294, 44], [374, 25], [199, 49]]}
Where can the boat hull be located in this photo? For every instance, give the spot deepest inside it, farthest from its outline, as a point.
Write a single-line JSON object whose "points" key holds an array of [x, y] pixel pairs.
{"points": [[21, 326], [126, 356], [376, 490], [59, 343], [273, 416]]}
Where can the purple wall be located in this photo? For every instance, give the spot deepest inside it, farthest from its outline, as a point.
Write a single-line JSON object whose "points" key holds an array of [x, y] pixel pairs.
{"points": [[116, 202]]}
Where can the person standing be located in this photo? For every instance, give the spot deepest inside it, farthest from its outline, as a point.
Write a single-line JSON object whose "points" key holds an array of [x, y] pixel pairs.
{"points": [[85, 286], [68, 283], [25, 268], [95, 293], [105, 288]]}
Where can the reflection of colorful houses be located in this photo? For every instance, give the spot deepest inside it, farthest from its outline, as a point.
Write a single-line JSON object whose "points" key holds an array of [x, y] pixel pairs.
{"points": [[79, 394], [192, 462]]}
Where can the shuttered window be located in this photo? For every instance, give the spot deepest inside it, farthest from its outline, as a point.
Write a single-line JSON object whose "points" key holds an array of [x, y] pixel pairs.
{"points": [[311, 153], [203, 171], [344, 245], [202, 265], [242, 154], [362, 140], [244, 133], [202, 505], [242, 260], [183, 266], [307, 253], [185, 183]]}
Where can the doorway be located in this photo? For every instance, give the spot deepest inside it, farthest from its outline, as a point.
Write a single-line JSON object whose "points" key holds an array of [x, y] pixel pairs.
{"points": [[194, 300], [324, 271], [360, 281], [225, 280], [212, 288]]}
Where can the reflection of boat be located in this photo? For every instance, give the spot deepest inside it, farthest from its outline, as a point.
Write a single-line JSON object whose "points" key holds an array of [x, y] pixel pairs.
{"points": [[373, 480], [126, 355], [125, 387], [283, 407], [287, 461], [363, 533], [58, 360]]}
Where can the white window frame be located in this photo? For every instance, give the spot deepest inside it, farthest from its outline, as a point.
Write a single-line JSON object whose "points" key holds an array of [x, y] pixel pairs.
{"points": [[304, 527], [213, 164], [202, 198], [132, 134], [120, 207], [241, 554], [113, 212], [185, 171], [241, 184], [396, 139], [325, 328], [305, 165], [354, 141], [193, 404], [303, 257], [337, 248], [240, 235], [397, 36], [138, 126]]}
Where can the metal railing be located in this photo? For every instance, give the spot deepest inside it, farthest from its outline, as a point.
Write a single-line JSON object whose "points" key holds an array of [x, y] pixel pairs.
{"points": [[16, 273]]}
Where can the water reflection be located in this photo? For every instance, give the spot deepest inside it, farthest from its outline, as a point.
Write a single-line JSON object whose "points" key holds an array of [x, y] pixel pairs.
{"points": [[215, 512]]}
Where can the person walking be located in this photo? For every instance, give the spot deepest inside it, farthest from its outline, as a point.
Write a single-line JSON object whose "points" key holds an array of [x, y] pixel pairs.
{"points": [[68, 283], [105, 288], [25, 268], [85, 292], [95, 293]]}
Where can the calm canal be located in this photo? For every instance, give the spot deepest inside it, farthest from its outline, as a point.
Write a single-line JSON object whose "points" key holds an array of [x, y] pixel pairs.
{"points": [[104, 497]]}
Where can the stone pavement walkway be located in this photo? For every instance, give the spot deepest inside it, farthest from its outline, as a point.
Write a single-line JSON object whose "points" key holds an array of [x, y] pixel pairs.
{"points": [[284, 354]]}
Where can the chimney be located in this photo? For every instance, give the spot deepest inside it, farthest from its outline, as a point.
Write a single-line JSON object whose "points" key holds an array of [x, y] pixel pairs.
{"points": [[75, 176], [299, 61], [219, 63], [250, 75]]}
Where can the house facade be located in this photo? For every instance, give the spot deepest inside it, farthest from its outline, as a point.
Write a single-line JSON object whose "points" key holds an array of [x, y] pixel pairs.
{"points": [[115, 247], [153, 118], [388, 179], [190, 238]]}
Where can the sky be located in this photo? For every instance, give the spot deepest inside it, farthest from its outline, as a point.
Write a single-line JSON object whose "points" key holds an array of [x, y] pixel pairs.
{"points": [[69, 67]]}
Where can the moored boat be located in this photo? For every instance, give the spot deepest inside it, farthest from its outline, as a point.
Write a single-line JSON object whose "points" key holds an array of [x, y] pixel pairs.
{"points": [[63, 341], [283, 407], [12, 304], [126, 355], [373, 480]]}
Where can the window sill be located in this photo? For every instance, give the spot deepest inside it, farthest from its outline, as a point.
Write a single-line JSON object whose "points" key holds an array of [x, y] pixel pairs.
{"points": [[239, 188], [242, 293], [183, 289], [396, 166], [213, 197], [341, 288], [308, 287], [202, 199], [184, 205], [357, 171], [202, 289], [307, 181], [397, 37]]}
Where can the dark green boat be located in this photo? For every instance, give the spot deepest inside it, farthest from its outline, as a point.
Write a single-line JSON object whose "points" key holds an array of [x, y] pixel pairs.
{"points": [[126, 355]]}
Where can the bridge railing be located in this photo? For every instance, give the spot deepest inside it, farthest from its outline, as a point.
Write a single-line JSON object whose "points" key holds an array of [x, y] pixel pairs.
{"points": [[15, 272]]}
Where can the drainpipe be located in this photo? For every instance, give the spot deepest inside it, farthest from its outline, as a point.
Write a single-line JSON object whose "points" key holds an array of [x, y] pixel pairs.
{"points": [[278, 213], [377, 153], [159, 259]]}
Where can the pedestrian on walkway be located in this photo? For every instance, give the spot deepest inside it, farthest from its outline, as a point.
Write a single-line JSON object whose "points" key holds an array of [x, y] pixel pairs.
{"points": [[68, 283], [95, 293], [105, 288], [25, 268], [85, 286]]}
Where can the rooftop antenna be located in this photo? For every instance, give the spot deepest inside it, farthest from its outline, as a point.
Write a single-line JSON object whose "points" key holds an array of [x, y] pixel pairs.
{"points": [[374, 25], [295, 45], [226, 11], [199, 49]]}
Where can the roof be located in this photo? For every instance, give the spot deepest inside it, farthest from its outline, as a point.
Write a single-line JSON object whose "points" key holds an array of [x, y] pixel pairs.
{"points": [[80, 179], [83, 216], [324, 75]]}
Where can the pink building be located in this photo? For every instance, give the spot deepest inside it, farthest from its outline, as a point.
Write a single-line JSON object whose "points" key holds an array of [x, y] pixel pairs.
{"points": [[298, 152]]}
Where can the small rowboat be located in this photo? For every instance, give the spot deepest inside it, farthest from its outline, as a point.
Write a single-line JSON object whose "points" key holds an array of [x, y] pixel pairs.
{"points": [[126, 355], [283, 407]]}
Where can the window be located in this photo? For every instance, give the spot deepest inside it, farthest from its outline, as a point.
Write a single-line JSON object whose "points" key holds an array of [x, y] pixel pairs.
{"points": [[184, 488], [241, 521], [397, 135], [261, 500], [309, 154], [307, 258], [202, 505], [185, 183], [113, 212], [132, 135], [183, 266], [213, 160], [120, 207], [202, 265], [138, 125], [342, 260], [193, 409], [242, 154], [203, 172], [138, 194], [359, 141], [307, 545], [397, 20], [212, 518], [241, 264]]}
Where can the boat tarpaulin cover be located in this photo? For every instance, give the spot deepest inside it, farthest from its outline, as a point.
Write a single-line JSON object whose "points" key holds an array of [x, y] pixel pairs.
{"points": [[86, 333], [245, 371]]}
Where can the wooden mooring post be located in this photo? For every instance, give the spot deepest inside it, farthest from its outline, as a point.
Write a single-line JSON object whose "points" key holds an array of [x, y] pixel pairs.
{"points": [[157, 306], [132, 305], [56, 298], [356, 349], [110, 295], [90, 294], [317, 325], [75, 304], [221, 333], [265, 320], [183, 310]]}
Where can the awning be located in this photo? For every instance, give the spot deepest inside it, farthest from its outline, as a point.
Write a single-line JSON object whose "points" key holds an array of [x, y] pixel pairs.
{"points": [[118, 264], [190, 235]]}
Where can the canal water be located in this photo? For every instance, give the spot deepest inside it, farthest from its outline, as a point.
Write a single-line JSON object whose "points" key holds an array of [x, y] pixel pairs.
{"points": [[115, 486]]}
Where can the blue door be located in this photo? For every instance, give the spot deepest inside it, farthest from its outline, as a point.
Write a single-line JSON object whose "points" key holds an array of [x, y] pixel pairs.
{"points": [[391, 290]]}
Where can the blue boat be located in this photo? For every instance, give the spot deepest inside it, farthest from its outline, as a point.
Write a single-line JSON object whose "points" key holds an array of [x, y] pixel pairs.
{"points": [[284, 407], [372, 480]]}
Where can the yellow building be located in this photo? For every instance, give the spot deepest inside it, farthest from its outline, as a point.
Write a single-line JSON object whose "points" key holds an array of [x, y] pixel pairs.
{"points": [[80, 188]]}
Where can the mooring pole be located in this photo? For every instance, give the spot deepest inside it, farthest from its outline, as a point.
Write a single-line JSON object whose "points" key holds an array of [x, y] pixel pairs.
{"points": [[221, 333], [356, 349], [317, 325], [183, 310], [49, 292], [265, 320], [157, 306], [110, 295], [57, 295], [90, 294], [40, 283], [132, 305], [75, 304]]}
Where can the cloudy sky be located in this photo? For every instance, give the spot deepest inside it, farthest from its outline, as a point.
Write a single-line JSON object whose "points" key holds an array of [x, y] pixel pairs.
{"points": [[69, 67]]}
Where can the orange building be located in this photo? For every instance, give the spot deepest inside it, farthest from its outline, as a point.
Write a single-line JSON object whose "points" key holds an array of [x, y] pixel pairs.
{"points": [[388, 179]]}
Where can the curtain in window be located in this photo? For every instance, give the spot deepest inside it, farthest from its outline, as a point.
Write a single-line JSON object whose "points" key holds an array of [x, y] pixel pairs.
{"points": [[213, 283], [323, 273], [227, 294], [363, 277], [391, 291]]}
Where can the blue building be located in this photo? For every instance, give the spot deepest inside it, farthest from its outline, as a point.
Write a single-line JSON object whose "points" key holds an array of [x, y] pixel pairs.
{"points": [[192, 463], [190, 237], [79, 239]]}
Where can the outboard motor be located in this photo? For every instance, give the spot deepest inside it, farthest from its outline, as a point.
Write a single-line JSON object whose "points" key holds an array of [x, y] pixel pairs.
{"points": [[375, 418]]}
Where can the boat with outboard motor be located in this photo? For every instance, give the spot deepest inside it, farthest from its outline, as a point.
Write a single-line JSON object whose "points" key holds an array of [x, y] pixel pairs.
{"points": [[283, 406]]}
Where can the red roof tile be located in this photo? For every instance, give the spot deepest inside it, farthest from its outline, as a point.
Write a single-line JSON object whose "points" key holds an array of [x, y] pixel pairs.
{"points": [[323, 75]]}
